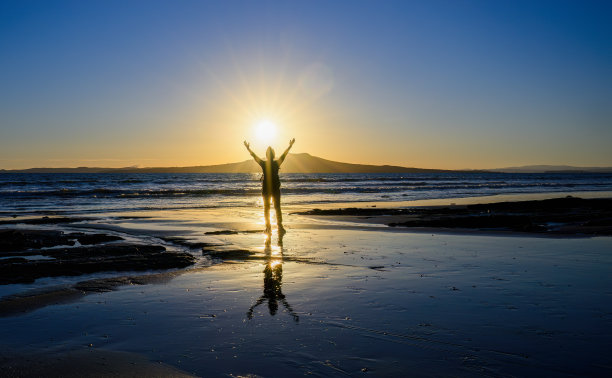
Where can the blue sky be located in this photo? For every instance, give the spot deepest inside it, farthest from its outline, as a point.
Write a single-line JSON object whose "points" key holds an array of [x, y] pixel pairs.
{"points": [[440, 84]]}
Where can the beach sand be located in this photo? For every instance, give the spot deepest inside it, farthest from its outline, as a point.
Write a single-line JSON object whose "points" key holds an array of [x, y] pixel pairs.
{"points": [[334, 298]]}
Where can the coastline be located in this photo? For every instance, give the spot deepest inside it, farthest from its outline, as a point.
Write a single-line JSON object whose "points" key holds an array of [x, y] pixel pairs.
{"points": [[569, 216], [345, 285], [175, 230], [460, 201]]}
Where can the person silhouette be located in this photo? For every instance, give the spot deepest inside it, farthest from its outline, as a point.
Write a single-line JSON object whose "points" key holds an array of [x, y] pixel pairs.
{"points": [[271, 183]]}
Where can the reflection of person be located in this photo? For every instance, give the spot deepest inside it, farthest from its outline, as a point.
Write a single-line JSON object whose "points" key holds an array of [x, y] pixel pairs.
{"points": [[271, 183], [273, 282]]}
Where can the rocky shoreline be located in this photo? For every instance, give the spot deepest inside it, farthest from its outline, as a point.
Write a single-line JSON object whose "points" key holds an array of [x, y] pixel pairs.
{"points": [[28, 254], [559, 216]]}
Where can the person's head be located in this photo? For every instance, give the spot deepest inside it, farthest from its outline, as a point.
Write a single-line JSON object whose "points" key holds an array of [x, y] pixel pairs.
{"points": [[270, 153]]}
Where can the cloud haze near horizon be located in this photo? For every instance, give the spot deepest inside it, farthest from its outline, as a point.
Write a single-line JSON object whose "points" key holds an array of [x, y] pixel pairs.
{"points": [[438, 84]]}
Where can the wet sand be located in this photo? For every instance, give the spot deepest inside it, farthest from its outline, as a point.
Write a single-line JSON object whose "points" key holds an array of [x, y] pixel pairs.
{"points": [[334, 298], [85, 362]]}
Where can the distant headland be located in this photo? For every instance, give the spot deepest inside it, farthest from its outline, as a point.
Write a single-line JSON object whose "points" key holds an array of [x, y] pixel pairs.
{"points": [[305, 163]]}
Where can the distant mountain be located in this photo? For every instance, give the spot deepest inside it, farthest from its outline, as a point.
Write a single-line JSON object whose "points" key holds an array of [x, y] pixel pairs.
{"points": [[553, 169], [306, 163], [294, 163]]}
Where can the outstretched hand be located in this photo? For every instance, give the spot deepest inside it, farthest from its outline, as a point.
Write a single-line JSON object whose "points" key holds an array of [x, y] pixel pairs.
{"points": [[247, 145], [291, 142]]}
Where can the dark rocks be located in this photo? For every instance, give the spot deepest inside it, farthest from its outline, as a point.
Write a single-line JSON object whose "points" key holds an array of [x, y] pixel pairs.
{"points": [[222, 232], [354, 211], [15, 240], [232, 232], [88, 239], [561, 216], [550, 205], [190, 244], [81, 260], [23, 249], [21, 240], [509, 222]]}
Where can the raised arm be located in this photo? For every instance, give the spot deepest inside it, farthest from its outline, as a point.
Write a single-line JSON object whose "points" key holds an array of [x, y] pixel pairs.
{"points": [[284, 155], [257, 158]]}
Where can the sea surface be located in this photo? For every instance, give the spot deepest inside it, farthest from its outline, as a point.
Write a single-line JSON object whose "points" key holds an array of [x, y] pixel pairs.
{"points": [[74, 193]]}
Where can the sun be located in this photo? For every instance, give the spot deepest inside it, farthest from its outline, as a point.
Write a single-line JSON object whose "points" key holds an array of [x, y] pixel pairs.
{"points": [[265, 131]]}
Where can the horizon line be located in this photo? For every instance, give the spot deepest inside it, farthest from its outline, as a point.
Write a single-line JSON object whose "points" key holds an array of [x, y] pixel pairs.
{"points": [[557, 167]]}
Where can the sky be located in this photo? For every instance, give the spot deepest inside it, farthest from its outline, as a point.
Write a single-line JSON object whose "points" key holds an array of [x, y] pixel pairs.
{"points": [[433, 84]]}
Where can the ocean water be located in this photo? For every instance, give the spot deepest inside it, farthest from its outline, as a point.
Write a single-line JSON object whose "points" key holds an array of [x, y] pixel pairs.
{"points": [[24, 193]]}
